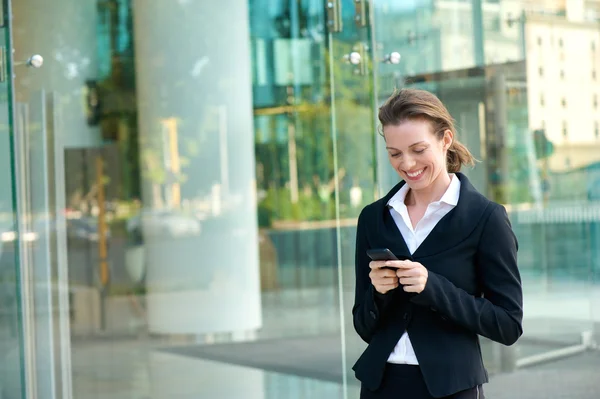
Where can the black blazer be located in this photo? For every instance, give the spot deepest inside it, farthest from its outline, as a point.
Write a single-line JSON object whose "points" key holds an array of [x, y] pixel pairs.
{"points": [[473, 288]]}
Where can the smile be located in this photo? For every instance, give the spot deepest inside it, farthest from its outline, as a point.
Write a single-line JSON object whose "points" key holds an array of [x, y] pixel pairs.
{"points": [[415, 174]]}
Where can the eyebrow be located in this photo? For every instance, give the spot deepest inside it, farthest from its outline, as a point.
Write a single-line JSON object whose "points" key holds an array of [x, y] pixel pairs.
{"points": [[412, 145]]}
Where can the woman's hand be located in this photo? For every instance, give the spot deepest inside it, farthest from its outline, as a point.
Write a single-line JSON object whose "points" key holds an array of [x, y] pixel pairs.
{"points": [[412, 275], [383, 279]]}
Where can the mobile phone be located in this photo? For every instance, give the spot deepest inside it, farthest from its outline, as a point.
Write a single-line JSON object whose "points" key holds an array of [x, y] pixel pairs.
{"points": [[381, 254]]}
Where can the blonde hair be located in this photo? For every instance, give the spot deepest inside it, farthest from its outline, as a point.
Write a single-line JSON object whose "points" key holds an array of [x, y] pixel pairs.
{"points": [[411, 104]]}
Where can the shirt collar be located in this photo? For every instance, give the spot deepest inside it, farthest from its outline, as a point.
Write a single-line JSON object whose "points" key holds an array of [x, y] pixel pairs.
{"points": [[450, 197]]}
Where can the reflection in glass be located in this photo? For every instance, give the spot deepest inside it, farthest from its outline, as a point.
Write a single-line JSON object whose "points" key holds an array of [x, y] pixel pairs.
{"points": [[216, 157], [200, 186], [11, 342], [537, 144]]}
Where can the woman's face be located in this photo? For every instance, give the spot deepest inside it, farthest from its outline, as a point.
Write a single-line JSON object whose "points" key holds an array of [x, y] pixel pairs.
{"points": [[416, 153]]}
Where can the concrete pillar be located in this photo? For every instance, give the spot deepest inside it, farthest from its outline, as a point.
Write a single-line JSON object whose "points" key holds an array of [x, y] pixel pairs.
{"points": [[194, 90]]}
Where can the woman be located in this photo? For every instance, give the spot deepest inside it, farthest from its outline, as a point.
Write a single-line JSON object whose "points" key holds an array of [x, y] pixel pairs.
{"points": [[457, 276]]}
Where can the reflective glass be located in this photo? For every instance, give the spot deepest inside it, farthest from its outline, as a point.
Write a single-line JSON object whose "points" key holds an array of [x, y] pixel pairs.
{"points": [[524, 105], [11, 319], [198, 191], [195, 170]]}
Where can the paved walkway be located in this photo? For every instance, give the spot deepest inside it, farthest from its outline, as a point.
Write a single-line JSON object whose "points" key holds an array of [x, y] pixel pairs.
{"points": [[556, 314], [577, 377]]}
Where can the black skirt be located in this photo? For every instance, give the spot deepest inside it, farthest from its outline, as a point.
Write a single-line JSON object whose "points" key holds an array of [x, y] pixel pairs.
{"points": [[403, 381]]}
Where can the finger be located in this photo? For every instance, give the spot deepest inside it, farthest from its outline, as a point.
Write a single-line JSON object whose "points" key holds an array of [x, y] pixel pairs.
{"points": [[410, 281], [408, 273], [382, 273], [377, 264], [410, 288], [392, 284], [401, 264], [394, 263], [386, 273], [386, 287], [386, 280]]}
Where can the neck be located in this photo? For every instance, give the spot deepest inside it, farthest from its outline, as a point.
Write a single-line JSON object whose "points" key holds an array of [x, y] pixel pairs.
{"points": [[434, 192]]}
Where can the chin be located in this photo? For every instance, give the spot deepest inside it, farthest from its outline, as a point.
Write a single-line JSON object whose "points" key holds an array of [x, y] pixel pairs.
{"points": [[417, 185]]}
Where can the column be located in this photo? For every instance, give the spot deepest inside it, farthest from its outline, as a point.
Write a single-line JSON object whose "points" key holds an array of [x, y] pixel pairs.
{"points": [[199, 223]]}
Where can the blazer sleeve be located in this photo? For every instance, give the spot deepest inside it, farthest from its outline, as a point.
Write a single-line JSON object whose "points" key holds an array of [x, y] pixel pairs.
{"points": [[369, 305], [498, 315]]}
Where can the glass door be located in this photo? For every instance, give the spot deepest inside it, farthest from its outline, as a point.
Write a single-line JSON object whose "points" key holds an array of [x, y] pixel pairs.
{"points": [[12, 300], [177, 150], [439, 48], [35, 298], [354, 141], [538, 149]]}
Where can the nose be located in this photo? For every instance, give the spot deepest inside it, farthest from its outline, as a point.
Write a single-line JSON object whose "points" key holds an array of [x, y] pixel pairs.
{"points": [[407, 163]]}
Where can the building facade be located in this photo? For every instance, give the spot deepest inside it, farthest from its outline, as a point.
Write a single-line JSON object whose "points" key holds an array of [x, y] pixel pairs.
{"points": [[182, 181]]}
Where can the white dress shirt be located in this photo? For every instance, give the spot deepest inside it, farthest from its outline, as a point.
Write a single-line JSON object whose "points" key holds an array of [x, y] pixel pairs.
{"points": [[403, 352]]}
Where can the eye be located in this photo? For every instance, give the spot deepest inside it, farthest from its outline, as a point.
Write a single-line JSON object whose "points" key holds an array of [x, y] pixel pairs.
{"points": [[395, 155], [419, 151]]}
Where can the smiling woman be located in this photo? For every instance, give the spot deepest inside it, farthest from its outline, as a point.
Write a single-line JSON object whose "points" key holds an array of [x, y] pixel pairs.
{"points": [[423, 337]]}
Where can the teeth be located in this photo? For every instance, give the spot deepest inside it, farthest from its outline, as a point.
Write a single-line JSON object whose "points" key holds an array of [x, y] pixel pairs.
{"points": [[415, 174]]}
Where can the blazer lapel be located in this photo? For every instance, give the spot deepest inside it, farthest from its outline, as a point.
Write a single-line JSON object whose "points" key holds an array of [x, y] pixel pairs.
{"points": [[458, 224]]}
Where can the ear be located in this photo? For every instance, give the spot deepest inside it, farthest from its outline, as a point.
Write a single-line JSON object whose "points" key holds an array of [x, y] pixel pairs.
{"points": [[447, 139]]}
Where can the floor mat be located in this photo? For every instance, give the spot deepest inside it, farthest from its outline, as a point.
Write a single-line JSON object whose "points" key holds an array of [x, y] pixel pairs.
{"points": [[318, 357]]}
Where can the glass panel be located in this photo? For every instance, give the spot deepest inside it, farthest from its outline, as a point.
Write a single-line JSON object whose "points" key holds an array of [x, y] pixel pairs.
{"points": [[198, 169], [11, 332], [533, 125], [354, 163], [193, 167]]}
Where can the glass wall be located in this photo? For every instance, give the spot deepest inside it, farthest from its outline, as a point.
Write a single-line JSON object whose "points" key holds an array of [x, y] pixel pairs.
{"points": [[199, 191], [195, 173], [525, 106], [11, 328]]}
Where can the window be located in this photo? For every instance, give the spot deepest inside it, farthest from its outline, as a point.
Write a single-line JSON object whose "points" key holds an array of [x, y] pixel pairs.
{"points": [[565, 131], [563, 102], [594, 74], [539, 41], [542, 100], [596, 130], [541, 71], [562, 74], [595, 101], [560, 42]]}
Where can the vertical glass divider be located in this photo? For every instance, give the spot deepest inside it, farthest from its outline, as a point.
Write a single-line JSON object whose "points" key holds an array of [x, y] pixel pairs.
{"points": [[337, 219]]}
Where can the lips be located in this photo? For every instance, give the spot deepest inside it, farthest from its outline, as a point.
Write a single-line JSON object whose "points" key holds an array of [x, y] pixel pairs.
{"points": [[415, 175]]}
